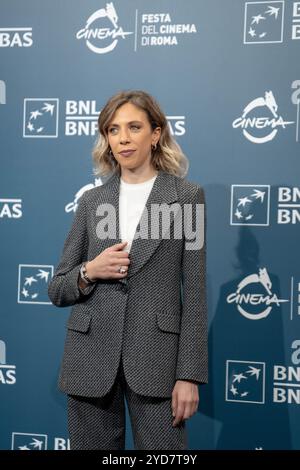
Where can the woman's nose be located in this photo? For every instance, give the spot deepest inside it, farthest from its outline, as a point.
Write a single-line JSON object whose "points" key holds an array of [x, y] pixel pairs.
{"points": [[124, 137]]}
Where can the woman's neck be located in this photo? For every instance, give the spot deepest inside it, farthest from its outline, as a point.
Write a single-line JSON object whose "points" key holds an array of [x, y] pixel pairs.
{"points": [[136, 177]]}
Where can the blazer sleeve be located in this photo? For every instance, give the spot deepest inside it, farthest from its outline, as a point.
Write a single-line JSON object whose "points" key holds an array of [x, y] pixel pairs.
{"points": [[63, 289], [192, 359]]}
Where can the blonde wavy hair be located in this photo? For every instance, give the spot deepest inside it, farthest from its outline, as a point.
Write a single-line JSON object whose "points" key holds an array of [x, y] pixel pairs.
{"points": [[167, 156]]}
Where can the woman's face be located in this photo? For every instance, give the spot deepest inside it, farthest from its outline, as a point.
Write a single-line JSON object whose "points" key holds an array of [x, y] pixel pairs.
{"points": [[130, 137]]}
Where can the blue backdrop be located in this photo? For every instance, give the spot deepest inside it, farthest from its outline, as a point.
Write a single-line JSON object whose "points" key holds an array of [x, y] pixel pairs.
{"points": [[227, 75]]}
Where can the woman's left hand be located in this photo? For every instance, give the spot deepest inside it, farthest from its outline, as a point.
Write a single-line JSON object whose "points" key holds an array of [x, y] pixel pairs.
{"points": [[185, 400]]}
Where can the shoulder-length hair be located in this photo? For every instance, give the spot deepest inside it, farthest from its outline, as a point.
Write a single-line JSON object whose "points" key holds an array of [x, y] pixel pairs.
{"points": [[167, 156]]}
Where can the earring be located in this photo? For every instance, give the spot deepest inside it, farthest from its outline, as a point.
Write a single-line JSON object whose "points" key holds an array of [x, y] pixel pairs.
{"points": [[154, 147]]}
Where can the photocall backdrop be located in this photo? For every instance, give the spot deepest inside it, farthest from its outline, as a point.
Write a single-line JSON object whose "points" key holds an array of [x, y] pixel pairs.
{"points": [[227, 75]]}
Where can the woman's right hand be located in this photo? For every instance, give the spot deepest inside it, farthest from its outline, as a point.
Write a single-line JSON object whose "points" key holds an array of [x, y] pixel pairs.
{"points": [[107, 264]]}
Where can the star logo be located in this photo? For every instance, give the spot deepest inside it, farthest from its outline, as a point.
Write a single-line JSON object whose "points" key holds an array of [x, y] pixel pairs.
{"points": [[263, 22]]}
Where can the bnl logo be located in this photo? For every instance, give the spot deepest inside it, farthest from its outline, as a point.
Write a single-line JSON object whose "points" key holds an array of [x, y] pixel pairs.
{"points": [[250, 204], [263, 22], [25, 441], [245, 381], [7, 372], [2, 92], [40, 117], [33, 283]]}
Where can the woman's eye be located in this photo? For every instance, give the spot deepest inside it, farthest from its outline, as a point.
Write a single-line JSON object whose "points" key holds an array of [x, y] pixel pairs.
{"points": [[112, 130], [135, 128]]}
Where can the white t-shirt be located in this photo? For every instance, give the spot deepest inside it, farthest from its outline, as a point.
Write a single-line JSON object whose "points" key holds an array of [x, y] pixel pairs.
{"points": [[133, 197]]}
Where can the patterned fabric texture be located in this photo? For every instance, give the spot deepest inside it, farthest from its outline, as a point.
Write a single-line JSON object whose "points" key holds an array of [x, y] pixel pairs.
{"points": [[155, 317], [99, 423]]}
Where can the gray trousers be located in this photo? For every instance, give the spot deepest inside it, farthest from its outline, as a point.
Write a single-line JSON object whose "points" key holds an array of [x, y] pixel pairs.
{"points": [[99, 423]]}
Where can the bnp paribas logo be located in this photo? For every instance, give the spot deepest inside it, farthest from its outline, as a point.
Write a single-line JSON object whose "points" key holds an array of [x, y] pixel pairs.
{"points": [[263, 22], [26, 441], [245, 381], [40, 118], [33, 280], [250, 204]]}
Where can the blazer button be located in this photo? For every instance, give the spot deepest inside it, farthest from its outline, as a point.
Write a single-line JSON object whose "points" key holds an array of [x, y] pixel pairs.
{"points": [[124, 289]]}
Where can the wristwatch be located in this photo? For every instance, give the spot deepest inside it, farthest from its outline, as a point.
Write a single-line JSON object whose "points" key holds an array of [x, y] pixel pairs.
{"points": [[84, 275]]}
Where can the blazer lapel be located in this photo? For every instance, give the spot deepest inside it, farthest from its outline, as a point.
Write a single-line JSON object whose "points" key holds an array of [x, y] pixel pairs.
{"points": [[163, 191], [109, 195]]}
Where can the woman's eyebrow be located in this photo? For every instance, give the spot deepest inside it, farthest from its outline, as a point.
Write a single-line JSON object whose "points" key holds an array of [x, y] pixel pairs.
{"points": [[130, 122]]}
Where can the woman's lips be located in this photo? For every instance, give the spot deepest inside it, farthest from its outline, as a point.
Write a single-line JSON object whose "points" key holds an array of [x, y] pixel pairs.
{"points": [[127, 153]]}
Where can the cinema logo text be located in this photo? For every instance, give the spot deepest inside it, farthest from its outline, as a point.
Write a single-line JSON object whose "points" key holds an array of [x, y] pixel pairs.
{"points": [[102, 31], [261, 129], [254, 297]]}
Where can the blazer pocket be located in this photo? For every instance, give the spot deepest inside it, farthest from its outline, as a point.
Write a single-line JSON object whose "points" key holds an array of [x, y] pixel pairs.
{"points": [[169, 322], [79, 321]]}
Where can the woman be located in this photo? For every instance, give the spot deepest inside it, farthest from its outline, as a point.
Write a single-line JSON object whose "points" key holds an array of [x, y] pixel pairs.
{"points": [[134, 271]]}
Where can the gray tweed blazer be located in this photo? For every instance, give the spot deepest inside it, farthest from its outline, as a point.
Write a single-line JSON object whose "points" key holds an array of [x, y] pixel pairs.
{"points": [[155, 317]]}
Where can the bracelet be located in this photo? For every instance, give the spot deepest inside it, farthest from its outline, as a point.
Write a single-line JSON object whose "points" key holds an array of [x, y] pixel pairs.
{"points": [[84, 275]]}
